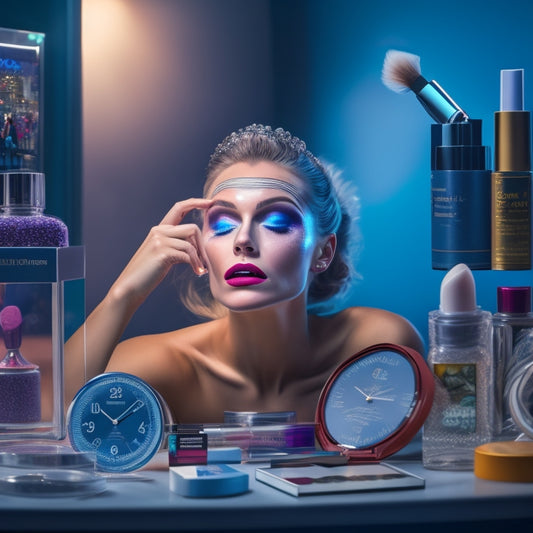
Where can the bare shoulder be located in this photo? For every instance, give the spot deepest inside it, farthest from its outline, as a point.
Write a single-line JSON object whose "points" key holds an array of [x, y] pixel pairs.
{"points": [[365, 326], [165, 360]]}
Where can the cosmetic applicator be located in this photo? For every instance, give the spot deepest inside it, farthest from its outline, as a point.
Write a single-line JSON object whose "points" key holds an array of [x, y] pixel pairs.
{"points": [[20, 380], [401, 73]]}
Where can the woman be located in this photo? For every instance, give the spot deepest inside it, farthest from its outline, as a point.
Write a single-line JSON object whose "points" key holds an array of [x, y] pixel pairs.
{"points": [[272, 249]]}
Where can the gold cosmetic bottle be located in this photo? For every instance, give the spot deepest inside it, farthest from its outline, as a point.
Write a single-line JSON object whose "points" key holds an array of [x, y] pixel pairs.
{"points": [[511, 179]]}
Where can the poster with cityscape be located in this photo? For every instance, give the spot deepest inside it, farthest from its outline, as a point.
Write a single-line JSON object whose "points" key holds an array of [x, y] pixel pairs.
{"points": [[21, 82]]}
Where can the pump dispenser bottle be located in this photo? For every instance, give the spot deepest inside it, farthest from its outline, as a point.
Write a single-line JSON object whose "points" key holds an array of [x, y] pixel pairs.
{"points": [[460, 337], [22, 218]]}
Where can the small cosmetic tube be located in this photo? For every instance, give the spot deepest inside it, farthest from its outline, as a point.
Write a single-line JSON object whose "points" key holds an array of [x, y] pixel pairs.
{"points": [[460, 196], [255, 442], [511, 179]]}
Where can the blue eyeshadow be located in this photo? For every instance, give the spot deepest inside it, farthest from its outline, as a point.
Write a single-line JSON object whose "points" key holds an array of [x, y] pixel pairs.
{"points": [[279, 221]]}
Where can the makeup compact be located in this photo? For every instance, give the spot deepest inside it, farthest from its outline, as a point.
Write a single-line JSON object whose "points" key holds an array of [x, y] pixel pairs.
{"points": [[374, 403]]}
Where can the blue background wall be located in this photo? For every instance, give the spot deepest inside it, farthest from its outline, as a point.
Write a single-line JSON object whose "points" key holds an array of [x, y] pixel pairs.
{"points": [[199, 69], [381, 139]]}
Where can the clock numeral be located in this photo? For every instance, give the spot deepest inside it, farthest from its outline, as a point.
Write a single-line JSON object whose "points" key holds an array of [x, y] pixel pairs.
{"points": [[142, 429], [90, 426], [95, 408], [96, 442], [115, 393], [380, 374], [114, 449]]}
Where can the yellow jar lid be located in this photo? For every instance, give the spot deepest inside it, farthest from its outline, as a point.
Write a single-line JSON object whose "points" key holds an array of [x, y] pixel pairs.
{"points": [[505, 461]]}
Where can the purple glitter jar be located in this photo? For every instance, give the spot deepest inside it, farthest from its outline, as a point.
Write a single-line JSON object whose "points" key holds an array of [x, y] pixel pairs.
{"points": [[20, 396], [22, 218]]}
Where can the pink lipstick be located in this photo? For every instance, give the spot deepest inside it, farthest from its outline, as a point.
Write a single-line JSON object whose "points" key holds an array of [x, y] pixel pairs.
{"points": [[243, 274]]}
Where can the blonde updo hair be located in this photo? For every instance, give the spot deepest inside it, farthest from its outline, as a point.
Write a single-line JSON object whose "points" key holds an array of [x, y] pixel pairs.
{"points": [[333, 204]]}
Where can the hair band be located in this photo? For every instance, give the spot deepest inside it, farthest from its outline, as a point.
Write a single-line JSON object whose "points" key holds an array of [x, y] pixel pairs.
{"points": [[260, 183]]}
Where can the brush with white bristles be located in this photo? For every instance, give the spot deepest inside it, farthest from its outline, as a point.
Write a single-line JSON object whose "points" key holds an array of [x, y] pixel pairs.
{"points": [[401, 73]]}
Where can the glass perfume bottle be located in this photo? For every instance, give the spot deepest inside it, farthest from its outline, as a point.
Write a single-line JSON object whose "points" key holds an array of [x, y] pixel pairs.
{"points": [[513, 351], [460, 356], [22, 218]]}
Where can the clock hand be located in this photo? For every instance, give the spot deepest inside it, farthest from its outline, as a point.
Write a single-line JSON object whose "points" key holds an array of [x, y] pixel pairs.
{"points": [[384, 399], [130, 410], [367, 397], [105, 414]]}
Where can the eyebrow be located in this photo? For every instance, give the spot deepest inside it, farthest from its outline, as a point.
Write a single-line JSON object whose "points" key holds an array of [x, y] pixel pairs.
{"points": [[275, 200], [260, 205]]}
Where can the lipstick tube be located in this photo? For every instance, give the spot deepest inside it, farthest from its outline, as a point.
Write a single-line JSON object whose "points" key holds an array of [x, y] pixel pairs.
{"points": [[511, 179]]}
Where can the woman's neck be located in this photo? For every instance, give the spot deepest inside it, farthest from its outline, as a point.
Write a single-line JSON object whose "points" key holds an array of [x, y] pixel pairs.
{"points": [[270, 346]]}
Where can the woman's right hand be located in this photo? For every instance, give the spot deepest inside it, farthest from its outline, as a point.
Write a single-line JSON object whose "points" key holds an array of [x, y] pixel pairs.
{"points": [[167, 244]]}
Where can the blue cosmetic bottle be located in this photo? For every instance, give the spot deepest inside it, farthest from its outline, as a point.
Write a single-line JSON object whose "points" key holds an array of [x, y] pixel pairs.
{"points": [[460, 196]]}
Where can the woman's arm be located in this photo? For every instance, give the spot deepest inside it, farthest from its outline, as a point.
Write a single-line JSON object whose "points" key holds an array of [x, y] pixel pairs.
{"points": [[167, 244]]}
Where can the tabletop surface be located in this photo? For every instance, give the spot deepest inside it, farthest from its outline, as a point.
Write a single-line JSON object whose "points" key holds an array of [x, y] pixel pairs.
{"points": [[142, 501]]}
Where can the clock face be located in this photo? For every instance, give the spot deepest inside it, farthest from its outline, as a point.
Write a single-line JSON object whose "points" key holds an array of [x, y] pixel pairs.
{"points": [[374, 401], [120, 417]]}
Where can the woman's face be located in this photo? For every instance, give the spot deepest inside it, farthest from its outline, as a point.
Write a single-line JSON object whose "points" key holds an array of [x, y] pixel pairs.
{"points": [[259, 236]]}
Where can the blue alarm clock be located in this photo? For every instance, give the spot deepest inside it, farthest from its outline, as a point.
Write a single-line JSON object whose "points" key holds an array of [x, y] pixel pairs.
{"points": [[121, 418]]}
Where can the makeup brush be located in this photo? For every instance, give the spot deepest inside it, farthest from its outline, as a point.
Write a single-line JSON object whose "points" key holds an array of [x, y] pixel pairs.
{"points": [[401, 73], [20, 380]]}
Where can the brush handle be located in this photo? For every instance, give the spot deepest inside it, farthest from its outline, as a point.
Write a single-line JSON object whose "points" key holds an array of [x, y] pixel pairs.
{"points": [[439, 104]]}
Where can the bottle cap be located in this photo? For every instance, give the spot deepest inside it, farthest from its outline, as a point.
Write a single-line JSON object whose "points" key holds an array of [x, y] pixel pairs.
{"points": [[514, 299], [505, 461], [458, 146], [22, 188]]}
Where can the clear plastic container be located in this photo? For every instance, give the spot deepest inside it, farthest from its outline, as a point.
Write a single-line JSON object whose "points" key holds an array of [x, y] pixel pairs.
{"points": [[47, 285], [513, 352], [461, 416]]}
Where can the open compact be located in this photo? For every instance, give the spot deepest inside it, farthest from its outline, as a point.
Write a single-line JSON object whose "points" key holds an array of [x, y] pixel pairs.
{"points": [[375, 402]]}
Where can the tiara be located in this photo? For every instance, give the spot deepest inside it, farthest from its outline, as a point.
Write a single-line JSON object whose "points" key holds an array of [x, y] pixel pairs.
{"points": [[278, 135]]}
